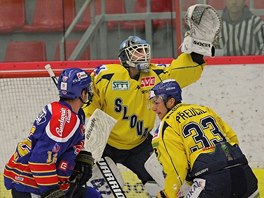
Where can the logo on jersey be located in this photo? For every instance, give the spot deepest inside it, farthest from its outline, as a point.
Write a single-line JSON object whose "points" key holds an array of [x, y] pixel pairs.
{"points": [[63, 124], [41, 117], [120, 85], [63, 165], [78, 147], [56, 148], [148, 81], [18, 178], [99, 69], [65, 118]]}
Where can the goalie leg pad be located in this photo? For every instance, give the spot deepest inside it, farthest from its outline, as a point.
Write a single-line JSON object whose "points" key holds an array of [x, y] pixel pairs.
{"points": [[155, 169], [97, 131], [152, 188]]}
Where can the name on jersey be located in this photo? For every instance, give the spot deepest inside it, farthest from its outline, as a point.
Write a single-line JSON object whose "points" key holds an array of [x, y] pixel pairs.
{"points": [[148, 81], [120, 85], [188, 113]]}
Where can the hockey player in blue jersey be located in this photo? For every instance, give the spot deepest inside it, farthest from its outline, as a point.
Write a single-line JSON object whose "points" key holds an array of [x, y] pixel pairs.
{"points": [[51, 161]]}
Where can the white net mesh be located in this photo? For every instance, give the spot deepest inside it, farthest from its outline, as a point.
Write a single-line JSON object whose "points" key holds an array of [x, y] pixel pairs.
{"points": [[21, 101]]}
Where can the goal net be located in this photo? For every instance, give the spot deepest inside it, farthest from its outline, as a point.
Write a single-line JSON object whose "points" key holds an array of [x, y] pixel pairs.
{"points": [[22, 99], [232, 92]]}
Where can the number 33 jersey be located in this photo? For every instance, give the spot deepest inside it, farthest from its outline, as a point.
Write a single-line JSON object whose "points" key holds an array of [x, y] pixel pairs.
{"points": [[184, 133]]}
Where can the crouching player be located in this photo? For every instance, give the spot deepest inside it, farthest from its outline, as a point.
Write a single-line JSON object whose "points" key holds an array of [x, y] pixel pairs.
{"points": [[51, 161], [193, 140]]}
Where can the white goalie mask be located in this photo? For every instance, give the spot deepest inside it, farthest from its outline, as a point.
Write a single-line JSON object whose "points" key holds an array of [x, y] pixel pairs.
{"points": [[135, 52]]}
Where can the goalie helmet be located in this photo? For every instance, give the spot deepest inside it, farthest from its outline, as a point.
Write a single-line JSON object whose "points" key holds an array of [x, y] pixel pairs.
{"points": [[71, 83], [166, 89], [135, 52]]}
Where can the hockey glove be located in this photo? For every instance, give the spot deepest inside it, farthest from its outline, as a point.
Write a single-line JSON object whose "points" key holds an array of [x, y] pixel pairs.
{"points": [[204, 23], [83, 167], [54, 193]]}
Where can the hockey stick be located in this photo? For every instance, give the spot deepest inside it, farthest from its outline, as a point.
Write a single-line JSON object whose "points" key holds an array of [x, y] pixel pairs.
{"points": [[51, 73], [73, 187], [97, 132]]}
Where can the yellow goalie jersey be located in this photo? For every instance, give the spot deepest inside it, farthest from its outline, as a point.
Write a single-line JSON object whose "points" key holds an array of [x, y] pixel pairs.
{"points": [[125, 99], [185, 132]]}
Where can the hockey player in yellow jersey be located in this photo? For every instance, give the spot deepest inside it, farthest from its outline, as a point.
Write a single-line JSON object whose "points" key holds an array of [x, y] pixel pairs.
{"points": [[121, 90], [193, 143]]}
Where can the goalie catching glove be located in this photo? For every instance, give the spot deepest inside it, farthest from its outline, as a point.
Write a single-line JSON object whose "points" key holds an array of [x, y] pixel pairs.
{"points": [[83, 167], [204, 23]]}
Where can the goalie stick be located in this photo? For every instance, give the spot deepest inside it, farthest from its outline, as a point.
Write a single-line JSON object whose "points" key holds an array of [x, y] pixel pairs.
{"points": [[97, 130]]}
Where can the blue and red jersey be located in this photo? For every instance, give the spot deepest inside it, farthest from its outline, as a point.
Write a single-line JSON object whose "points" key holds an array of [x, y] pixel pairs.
{"points": [[46, 158]]}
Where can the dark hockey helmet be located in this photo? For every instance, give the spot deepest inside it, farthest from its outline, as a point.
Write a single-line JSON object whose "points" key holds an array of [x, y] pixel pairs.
{"points": [[166, 89], [135, 52], [71, 83]]}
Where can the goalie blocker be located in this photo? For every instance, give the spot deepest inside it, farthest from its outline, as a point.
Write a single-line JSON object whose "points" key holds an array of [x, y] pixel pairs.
{"points": [[204, 23]]}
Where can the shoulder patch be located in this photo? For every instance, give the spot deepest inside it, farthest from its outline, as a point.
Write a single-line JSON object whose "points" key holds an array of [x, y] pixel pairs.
{"points": [[41, 118], [99, 69], [63, 123]]}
